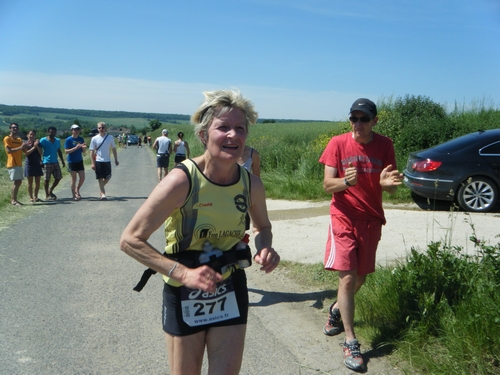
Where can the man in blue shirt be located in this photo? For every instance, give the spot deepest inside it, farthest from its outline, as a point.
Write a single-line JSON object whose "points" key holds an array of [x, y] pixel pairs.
{"points": [[51, 147]]}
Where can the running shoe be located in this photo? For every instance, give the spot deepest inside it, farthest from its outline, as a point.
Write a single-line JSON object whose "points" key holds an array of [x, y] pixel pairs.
{"points": [[333, 325], [352, 355]]}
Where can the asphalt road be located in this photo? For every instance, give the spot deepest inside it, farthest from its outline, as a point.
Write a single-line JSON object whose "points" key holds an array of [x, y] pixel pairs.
{"points": [[67, 305]]}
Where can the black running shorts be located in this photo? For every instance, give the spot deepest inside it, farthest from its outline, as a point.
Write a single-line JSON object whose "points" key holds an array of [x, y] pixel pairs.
{"points": [[172, 311]]}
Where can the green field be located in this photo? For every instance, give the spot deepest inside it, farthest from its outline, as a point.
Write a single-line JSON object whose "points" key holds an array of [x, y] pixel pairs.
{"points": [[63, 119], [64, 122]]}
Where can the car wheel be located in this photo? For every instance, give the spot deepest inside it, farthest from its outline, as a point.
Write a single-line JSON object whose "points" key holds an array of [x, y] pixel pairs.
{"points": [[477, 194]]}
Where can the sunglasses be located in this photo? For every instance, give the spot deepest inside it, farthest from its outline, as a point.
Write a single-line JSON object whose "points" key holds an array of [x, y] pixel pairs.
{"points": [[355, 119], [101, 128]]}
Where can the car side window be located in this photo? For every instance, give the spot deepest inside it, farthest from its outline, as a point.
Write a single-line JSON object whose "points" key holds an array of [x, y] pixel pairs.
{"points": [[491, 150]]}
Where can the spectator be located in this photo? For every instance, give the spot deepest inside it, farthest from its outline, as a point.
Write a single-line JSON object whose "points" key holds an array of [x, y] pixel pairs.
{"points": [[100, 147], [33, 165], [51, 146], [75, 148], [14, 147], [359, 165]]}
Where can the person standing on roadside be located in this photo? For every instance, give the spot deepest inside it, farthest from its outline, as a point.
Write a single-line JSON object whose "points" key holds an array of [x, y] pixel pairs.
{"points": [[33, 165], [358, 167], [51, 146], [181, 148], [205, 304], [100, 148], [163, 147], [14, 147], [75, 148]]}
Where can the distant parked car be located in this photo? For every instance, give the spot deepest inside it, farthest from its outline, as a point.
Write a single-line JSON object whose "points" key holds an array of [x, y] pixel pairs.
{"points": [[132, 139], [465, 169], [93, 132]]}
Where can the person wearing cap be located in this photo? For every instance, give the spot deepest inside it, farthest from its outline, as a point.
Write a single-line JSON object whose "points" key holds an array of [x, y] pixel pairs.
{"points": [[163, 147], [358, 167], [75, 147], [181, 148]]}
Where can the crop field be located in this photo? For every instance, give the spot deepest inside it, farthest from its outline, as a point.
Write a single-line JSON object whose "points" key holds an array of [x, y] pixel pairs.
{"points": [[63, 119]]}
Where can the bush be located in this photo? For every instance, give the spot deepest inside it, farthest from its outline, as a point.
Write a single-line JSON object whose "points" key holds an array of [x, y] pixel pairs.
{"points": [[440, 308]]}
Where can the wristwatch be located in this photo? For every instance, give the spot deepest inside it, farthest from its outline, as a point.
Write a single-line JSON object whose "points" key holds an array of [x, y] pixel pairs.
{"points": [[347, 182]]}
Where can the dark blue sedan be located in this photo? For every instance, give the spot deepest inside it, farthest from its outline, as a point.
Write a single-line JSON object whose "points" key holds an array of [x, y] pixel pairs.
{"points": [[464, 170]]}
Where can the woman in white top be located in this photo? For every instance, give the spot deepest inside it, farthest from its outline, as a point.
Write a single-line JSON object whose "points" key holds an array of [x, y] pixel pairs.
{"points": [[250, 160], [181, 148]]}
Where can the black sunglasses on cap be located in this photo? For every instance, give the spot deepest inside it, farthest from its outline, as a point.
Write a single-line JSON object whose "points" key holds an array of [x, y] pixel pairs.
{"points": [[355, 119]]}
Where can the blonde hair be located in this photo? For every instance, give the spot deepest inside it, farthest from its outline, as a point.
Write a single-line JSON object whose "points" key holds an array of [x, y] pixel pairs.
{"points": [[217, 103]]}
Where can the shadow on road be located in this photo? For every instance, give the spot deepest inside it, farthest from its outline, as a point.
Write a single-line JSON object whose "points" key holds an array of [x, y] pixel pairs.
{"points": [[111, 199], [378, 352], [272, 298]]}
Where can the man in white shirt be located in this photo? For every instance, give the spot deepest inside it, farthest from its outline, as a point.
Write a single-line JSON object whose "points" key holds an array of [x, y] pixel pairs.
{"points": [[100, 147], [163, 147]]}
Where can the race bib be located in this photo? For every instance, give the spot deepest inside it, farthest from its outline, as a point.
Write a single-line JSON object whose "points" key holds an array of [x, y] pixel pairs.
{"points": [[200, 308]]}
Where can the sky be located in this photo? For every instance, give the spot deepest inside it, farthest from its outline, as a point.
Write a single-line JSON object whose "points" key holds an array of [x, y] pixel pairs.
{"points": [[294, 59]]}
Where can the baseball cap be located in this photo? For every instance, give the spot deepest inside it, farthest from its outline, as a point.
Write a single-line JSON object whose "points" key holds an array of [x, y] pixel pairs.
{"points": [[74, 126], [164, 131], [364, 105]]}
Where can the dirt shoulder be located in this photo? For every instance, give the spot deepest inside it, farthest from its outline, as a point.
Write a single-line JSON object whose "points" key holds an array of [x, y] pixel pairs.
{"points": [[300, 229], [295, 315]]}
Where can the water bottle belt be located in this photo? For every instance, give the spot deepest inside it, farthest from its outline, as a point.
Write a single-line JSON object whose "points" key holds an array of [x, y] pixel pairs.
{"points": [[191, 260]]}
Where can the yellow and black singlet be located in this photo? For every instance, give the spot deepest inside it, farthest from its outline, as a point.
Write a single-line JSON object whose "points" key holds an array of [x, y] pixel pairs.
{"points": [[211, 212]]}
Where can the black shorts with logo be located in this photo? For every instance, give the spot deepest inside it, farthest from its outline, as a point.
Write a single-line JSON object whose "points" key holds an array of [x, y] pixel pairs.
{"points": [[173, 322], [162, 160], [103, 170]]}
